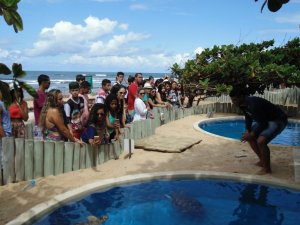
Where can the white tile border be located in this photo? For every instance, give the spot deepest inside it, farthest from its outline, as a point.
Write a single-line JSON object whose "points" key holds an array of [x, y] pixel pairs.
{"points": [[43, 208]]}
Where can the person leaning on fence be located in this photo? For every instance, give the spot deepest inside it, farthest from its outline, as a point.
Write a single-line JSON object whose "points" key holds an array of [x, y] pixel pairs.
{"points": [[96, 130], [5, 125], [269, 119], [18, 112], [120, 92], [141, 111], [75, 102], [51, 119], [113, 117]]}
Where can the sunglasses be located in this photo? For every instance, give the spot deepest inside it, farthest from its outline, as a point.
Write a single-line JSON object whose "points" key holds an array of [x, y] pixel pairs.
{"points": [[142, 93], [101, 114]]}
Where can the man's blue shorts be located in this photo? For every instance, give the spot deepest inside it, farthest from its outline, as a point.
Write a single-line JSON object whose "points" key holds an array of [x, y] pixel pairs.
{"points": [[269, 130]]}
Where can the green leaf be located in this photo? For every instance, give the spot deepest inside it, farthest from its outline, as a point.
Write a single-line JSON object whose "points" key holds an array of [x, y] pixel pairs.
{"points": [[4, 69], [4, 88], [17, 21], [7, 17], [17, 70], [29, 89], [11, 3]]}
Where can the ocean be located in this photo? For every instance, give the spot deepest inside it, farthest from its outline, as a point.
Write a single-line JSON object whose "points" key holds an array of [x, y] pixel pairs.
{"points": [[61, 79]]}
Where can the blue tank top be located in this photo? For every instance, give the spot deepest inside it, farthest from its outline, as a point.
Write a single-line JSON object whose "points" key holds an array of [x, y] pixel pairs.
{"points": [[5, 119]]}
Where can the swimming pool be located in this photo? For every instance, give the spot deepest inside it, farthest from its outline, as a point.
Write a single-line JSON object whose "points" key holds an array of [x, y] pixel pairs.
{"points": [[184, 202], [233, 128]]}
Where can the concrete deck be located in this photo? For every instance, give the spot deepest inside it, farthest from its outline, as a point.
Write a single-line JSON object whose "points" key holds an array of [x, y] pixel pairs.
{"points": [[211, 154]]}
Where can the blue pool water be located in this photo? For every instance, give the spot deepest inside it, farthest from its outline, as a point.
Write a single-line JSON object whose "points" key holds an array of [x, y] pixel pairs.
{"points": [[184, 202], [235, 128]]}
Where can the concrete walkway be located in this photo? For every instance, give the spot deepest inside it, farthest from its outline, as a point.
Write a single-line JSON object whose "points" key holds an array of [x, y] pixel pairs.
{"points": [[211, 154]]}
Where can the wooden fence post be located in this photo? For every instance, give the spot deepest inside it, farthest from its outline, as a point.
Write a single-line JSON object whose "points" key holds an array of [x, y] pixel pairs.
{"points": [[38, 156], [8, 158], [76, 158], [29, 160], [68, 159], [20, 159], [59, 157], [48, 158]]}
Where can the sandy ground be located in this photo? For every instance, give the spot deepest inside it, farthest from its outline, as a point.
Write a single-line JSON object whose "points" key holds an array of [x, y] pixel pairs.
{"points": [[212, 154]]}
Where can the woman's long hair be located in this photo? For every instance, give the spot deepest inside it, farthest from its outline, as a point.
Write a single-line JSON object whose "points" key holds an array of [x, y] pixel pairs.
{"points": [[51, 102], [93, 116], [119, 112], [20, 94]]}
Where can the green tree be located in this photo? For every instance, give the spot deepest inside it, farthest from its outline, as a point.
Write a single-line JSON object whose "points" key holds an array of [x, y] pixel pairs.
{"points": [[257, 66]]}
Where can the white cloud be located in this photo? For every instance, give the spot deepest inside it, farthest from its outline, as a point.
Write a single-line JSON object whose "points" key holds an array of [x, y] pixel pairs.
{"points": [[198, 50], [14, 55], [117, 45], [124, 26], [276, 31], [65, 37], [150, 62], [138, 7], [289, 19]]}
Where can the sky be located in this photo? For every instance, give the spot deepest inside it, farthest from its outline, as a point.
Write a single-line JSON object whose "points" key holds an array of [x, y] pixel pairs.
{"points": [[136, 35]]}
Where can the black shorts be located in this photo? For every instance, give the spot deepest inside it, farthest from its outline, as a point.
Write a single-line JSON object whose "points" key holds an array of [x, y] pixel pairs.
{"points": [[270, 130]]}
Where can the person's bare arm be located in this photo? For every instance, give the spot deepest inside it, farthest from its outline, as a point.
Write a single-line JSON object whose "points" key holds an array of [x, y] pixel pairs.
{"points": [[2, 133], [24, 110], [57, 120]]}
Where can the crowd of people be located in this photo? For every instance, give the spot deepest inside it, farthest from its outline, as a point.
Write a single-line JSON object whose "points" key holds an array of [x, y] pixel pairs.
{"points": [[93, 121]]}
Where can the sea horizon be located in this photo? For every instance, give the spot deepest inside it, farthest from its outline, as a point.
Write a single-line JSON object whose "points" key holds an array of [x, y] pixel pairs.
{"points": [[61, 79]]}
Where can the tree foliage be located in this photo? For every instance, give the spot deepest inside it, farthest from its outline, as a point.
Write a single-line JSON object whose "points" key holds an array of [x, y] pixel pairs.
{"points": [[273, 5], [8, 9], [256, 65]]}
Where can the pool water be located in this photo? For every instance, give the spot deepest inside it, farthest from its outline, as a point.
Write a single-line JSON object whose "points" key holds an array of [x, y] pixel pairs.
{"points": [[235, 128], [184, 202]]}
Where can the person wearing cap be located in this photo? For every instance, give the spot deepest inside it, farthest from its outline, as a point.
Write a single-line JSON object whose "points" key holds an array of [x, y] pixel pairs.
{"points": [[75, 102], [18, 112], [148, 88]]}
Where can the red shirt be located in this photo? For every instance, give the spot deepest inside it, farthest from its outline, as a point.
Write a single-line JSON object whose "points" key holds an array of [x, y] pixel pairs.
{"points": [[132, 91]]}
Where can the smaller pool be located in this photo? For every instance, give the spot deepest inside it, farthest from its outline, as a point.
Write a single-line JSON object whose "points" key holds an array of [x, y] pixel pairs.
{"points": [[233, 128]]}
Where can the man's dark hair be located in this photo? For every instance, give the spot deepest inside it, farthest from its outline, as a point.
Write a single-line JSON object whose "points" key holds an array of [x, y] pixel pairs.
{"points": [[120, 74], [80, 77], [43, 77], [130, 79], [136, 75], [85, 84], [105, 81], [238, 91], [73, 85]]}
